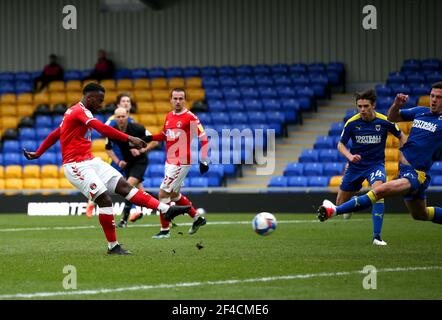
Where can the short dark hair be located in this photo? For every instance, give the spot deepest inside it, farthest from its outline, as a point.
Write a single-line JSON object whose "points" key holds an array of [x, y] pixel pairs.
{"points": [[91, 87], [368, 95], [178, 90], [437, 85], [121, 96]]}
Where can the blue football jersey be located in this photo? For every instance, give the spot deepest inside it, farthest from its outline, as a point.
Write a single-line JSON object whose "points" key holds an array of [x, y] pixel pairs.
{"points": [[424, 144], [368, 138]]}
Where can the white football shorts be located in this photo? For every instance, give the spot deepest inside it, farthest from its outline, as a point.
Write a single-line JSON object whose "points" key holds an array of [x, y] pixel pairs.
{"points": [[92, 177], [174, 177]]}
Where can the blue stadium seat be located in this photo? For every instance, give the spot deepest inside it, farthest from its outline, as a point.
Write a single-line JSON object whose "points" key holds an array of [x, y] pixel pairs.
{"points": [[421, 90], [215, 170], [7, 76], [228, 82], [238, 117], [286, 92], [194, 171], [395, 78], [156, 157], [216, 106], [155, 182], [318, 181], [257, 117], [268, 93], [209, 71], [189, 72], [157, 72], [214, 94], [313, 169], [275, 117], [27, 134], [123, 74], [199, 182], [264, 80], [23, 76], [274, 105], [298, 68], [147, 183], [434, 77], [253, 104], [140, 73], [329, 155], [249, 93], [302, 81], [309, 155], [333, 169], [402, 88], [299, 182], [436, 169], [227, 71], [23, 87], [231, 93], [210, 83], [12, 158], [324, 142], [280, 68], [436, 181], [246, 81], [336, 129], [222, 118], [30, 145], [11, 146], [244, 70], [6, 87], [1, 159], [278, 181], [205, 118], [412, 65], [282, 80], [43, 122], [174, 72], [47, 158], [156, 170], [262, 69], [416, 79], [384, 103], [72, 75], [431, 65], [294, 169], [383, 90], [316, 67], [234, 105]]}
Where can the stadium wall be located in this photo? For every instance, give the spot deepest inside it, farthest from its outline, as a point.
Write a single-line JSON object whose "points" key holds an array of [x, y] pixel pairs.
{"points": [[219, 203], [217, 32]]}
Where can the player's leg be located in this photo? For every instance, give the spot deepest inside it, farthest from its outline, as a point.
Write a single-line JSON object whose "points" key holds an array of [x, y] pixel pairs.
{"points": [[342, 197], [198, 221], [85, 178], [376, 177], [417, 206], [391, 188], [127, 204], [164, 197], [116, 183], [135, 174]]}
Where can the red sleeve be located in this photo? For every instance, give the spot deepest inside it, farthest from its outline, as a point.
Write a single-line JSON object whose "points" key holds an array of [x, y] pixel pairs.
{"points": [[159, 137], [48, 142], [204, 146], [107, 131]]}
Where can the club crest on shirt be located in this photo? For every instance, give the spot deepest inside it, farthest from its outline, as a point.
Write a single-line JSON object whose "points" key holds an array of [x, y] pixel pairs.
{"points": [[378, 127], [93, 186], [179, 124]]}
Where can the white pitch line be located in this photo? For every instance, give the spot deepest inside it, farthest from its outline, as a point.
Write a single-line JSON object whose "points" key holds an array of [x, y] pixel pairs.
{"points": [[156, 225], [209, 283]]}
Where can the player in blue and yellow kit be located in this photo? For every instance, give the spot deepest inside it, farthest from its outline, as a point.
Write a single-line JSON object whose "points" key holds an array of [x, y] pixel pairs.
{"points": [[423, 147], [368, 132]]}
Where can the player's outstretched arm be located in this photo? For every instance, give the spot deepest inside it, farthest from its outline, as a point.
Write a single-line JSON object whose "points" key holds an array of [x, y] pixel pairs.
{"points": [[108, 131], [393, 113], [46, 144]]}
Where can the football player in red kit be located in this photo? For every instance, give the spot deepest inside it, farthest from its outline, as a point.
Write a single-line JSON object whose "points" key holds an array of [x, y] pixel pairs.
{"points": [[179, 128], [92, 176]]}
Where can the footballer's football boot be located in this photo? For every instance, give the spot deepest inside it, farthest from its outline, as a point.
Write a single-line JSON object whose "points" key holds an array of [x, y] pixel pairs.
{"points": [[326, 211], [163, 234], [175, 211], [201, 221], [377, 241], [118, 249]]}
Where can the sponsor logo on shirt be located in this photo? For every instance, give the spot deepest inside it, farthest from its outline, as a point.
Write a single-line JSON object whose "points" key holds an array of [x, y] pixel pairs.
{"points": [[368, 139], [424, 125]]}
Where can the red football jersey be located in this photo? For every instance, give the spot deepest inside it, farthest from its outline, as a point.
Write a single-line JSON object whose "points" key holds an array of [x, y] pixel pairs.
{"points": [[75, 135], [180, 129]]}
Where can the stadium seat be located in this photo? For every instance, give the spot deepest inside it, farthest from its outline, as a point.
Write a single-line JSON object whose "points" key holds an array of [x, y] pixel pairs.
{"points": [[12, 159], [8, 98], [13, 171], [156, 157], [294, 169], [199, 182], [330, 155], [336, 129], [49, 171], [436, 181], [141, 84], [318, 181], [194, 83], [47, 158], [436, 169], [392, 168], [391, 154], [335, 181], [309, 156], [324, 142], [333, 168], [49, 183], [195, 94], [30, 145], [32, 183], [9, 122], [31, 171], [160, 95], [25, 98], [56, 86], [124, 85], [278, 181], [11, 146], [14, 184], [98, 145], [73, 86], [57, 97], [298, 181], [313, 169], [64, 183]]}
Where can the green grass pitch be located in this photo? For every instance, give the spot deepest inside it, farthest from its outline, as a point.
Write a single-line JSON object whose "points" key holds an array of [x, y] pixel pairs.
{"points": [[302, 259]]}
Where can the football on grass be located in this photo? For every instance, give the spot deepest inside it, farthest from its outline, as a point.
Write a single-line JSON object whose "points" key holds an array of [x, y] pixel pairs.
{"points": [[264, 223]]}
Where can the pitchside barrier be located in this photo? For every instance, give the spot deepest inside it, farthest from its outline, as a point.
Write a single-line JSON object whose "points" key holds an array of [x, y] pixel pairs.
{"points": [[213, 200]]}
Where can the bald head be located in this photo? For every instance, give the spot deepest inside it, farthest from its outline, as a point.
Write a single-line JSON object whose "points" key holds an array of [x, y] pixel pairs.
{"points": [[121, 115]]}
